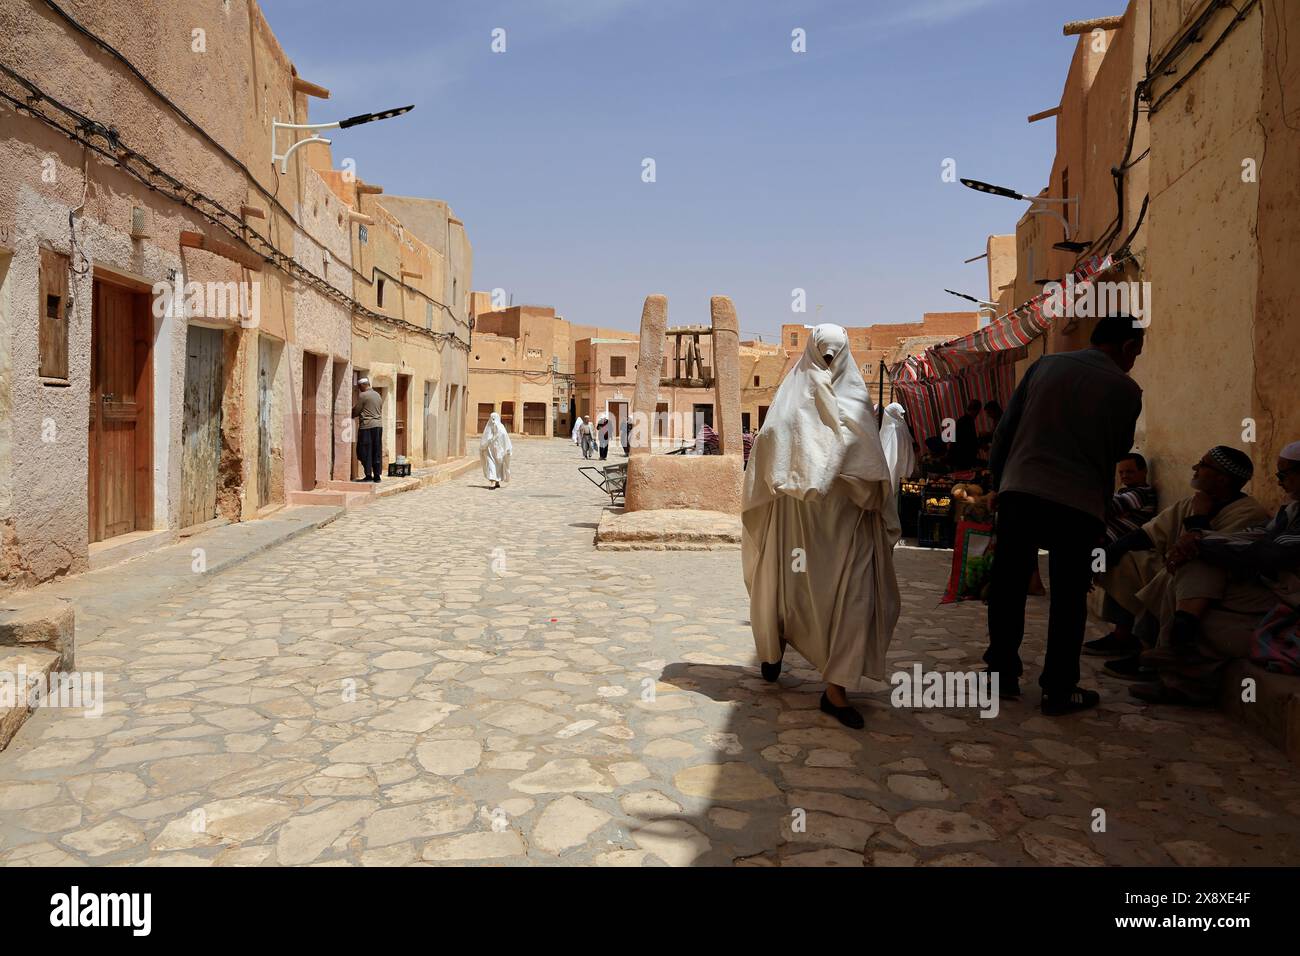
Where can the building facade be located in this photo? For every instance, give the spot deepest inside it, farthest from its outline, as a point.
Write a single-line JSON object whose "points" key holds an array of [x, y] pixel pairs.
{"points": [[1186, 101], [177, 326]]}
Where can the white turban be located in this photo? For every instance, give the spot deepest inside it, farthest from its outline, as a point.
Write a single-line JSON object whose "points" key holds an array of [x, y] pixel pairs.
{"points": [[1291, 452]]}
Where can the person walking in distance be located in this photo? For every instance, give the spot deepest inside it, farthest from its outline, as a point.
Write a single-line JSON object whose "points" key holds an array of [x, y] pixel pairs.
{"points": [[1053, 460], [369, 412]]}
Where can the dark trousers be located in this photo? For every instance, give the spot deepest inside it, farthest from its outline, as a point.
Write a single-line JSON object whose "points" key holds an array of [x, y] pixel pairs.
{"points": [[1024, 524], [370, 451], [604, 448]]}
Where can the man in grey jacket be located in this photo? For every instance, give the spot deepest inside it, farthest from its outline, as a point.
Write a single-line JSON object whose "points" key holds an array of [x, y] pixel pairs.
{"points": [[1053, 461]]}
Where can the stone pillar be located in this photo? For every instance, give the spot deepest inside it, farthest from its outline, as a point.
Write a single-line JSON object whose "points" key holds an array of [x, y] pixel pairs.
{"points": [[726, 373], [654, 320]]}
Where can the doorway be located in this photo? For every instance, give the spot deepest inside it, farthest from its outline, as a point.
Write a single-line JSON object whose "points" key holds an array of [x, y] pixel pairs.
{"points": [[311, 373], [338, 381], [535, 419], [703, 416], [401, 428], [508, 416], [485, 410], [617, 418], [265, 390], [201, 426], [120, 453]]}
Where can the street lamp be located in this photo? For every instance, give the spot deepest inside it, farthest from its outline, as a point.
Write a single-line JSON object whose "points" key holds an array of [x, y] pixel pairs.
{"points": [[992, 190], [987, 310], [348, 123]]}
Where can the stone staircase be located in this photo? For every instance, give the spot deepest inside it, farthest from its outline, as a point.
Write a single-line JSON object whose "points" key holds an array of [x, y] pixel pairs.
{"points": [[37, 638]]}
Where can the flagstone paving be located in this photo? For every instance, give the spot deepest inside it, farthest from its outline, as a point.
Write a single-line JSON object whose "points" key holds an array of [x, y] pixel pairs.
{"points": [[455, 675]]}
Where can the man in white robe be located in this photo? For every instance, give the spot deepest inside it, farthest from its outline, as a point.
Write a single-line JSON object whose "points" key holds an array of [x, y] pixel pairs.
{"points": [[494, 451], [896, 442], [819, 526]]}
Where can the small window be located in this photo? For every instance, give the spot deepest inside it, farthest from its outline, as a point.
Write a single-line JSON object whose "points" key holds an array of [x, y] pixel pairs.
{"points": [[617, 366], [794, 338], [53, 331], [363, 234], [379, 298], [756, 381]]}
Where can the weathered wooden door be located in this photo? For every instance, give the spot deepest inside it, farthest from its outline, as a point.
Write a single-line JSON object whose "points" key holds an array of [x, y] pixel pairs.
{"points": [[403, 410], [119, 458], [307, 444], [265, 386], [201, 427]]}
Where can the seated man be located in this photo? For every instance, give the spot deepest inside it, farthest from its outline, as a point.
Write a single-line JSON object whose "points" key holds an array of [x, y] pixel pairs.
{"points": [[1131, 507], [1135, 564], [1222, 583], [707, 442]]}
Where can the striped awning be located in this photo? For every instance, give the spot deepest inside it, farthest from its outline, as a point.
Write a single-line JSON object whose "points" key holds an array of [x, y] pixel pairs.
{"points": [[1008, 332]]}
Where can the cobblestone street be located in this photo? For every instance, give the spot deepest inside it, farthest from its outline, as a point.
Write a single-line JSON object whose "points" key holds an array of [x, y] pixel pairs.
{"points": [[455, 675]]}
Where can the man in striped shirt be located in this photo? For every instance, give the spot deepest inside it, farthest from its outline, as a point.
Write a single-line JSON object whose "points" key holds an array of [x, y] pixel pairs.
{"points": [[1135, 502], [1223, 583]]}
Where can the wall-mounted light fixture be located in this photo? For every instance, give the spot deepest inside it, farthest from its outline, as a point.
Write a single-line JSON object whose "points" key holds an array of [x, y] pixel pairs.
{"points": [[351, 121]]}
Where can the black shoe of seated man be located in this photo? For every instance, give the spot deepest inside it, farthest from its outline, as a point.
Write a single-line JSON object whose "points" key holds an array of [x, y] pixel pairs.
{"points": [[847, 716], [1129, 668], [1112, 646], [770, 671], [1058, 705]]}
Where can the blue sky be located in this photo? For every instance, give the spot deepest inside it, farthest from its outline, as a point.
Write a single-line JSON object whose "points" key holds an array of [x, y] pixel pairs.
{"points": [[774, 170]]}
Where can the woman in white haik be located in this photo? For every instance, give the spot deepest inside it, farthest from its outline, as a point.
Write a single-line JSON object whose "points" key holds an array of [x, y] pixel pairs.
{"points": [[819, 527], [896, 442], [494, 451], [577, 431]]}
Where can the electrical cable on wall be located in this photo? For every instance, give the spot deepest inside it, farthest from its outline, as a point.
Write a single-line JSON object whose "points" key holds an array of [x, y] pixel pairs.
{"points": [[159, 180]]}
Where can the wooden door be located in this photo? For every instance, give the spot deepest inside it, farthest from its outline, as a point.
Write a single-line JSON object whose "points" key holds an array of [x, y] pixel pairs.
{"points": [[307, 444], [508, 416], [201, 426], [119, 458], [265, 386], [403, 409]]}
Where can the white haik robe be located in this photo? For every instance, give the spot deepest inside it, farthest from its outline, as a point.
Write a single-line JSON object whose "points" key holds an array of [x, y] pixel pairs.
{"points": [[494, 450], [577, 429], [896, 442], [820, 521]]}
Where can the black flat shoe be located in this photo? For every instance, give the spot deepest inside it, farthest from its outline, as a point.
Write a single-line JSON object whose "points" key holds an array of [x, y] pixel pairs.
{"points": [[770, 671], [1058, 705], [845, 715], [1129, 668]]}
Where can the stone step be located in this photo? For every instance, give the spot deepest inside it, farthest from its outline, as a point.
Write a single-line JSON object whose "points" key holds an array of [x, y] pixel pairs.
{"points": [[20, 669]]}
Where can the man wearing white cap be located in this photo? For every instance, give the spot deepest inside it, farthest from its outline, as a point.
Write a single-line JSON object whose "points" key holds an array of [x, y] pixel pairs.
{"points": [[369, 410], [1224, 583]]}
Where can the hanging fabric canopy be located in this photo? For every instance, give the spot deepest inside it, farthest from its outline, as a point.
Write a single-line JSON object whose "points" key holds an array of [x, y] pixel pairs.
{"points": [[938, 383]]}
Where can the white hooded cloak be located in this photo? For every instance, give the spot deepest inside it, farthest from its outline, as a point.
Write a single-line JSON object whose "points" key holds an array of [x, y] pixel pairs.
{"points": [[494, 450], [820, 521], [896, 442], [577, 430]]}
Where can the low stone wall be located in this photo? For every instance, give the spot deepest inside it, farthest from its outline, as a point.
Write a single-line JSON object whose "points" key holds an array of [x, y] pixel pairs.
{"points": [[697, 482]]}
